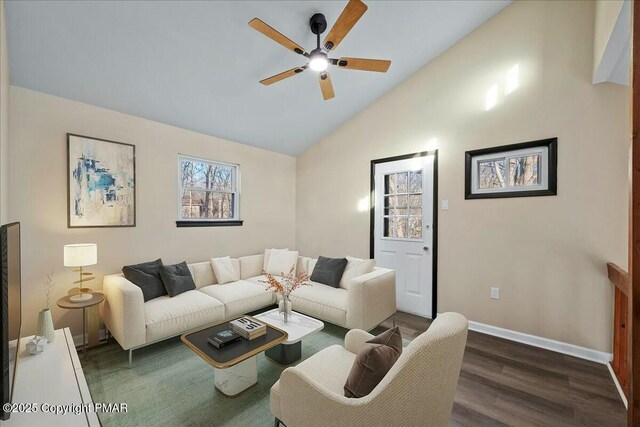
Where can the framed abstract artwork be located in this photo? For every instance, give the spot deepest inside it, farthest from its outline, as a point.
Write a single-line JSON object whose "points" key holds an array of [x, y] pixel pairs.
{"points": [[101, 177], [517, 170]]}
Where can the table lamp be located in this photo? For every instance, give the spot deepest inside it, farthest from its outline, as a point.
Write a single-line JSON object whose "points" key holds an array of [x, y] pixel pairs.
{"points": [[81, 255]]}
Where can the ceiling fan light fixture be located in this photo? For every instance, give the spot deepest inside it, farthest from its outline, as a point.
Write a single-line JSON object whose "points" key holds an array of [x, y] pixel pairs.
{"points": [[318, 59], [318, 62]]}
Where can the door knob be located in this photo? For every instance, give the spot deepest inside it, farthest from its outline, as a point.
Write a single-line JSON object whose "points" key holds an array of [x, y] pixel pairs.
{"points": [[425, 248]]}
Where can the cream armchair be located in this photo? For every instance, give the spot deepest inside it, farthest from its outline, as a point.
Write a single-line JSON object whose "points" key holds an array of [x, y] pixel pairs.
{"points": [[418, 390]]}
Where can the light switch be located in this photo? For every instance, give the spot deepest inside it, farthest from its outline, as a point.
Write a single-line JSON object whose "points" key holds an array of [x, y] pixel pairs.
{"points": [[445, 205]]}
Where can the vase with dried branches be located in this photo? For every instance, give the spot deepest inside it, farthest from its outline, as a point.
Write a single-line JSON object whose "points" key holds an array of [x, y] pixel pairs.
{"points": [[284, 286], [45, 322]]}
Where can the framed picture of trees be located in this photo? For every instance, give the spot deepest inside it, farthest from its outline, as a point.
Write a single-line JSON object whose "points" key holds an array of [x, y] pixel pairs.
{"points": [[208, 193], [515, 170]]}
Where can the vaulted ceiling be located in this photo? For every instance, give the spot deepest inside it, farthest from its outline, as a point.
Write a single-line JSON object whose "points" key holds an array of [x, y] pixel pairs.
{"points": [[196, 65]]}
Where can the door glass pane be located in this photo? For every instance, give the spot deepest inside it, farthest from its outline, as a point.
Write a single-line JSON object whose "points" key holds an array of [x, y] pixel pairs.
{"points": [[403, 205], [390, 227], [389, 184], [401, 182], [415, 200], [491, 173], [415, 227], [415, 182], [401, 227], [524, 170]]}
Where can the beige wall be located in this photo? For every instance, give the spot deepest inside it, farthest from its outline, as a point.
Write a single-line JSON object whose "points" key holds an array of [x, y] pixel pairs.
{"points": [[4, 119], [38, 196], [547, 254]]}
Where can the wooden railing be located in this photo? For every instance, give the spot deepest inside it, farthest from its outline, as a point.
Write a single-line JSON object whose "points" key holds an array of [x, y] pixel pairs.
{"points": [[620, 279]]}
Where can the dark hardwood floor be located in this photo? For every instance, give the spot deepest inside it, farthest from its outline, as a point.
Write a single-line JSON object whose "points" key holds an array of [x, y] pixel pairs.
{"points": [[504, 383]]}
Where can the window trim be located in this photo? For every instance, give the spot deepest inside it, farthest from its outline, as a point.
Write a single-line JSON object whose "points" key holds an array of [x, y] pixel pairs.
{"points": [[550, 174], [209, 222]]}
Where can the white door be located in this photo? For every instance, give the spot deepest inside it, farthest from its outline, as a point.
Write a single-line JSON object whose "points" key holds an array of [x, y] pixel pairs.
{"points": [[403, 230]]}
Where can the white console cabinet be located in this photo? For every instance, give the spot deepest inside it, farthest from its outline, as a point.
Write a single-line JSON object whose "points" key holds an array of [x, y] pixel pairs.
{"points": [[53, 377]]}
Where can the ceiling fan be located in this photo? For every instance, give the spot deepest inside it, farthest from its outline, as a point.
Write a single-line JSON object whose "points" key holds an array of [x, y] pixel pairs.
{"points": [[318, 58]]}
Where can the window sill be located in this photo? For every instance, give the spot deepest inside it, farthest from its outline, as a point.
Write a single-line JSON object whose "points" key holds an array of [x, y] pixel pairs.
{"points": [[226, 223]]}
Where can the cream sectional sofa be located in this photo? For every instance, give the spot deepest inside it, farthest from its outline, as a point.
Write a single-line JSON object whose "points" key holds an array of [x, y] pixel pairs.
{"points": [[369, 299]]}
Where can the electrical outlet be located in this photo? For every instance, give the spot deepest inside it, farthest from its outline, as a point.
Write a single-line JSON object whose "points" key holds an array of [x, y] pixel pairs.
{"points": [[495, 293], [445, 205]]}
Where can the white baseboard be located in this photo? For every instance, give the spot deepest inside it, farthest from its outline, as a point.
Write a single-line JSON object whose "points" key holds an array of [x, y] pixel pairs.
{"points": [[546, 343], [615, 381]]}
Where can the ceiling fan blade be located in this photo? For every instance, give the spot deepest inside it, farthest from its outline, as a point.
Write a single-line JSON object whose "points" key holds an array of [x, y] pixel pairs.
{"points": [[326, 86], [378, 65], [276, 36], [347, 19], [283, 75]]}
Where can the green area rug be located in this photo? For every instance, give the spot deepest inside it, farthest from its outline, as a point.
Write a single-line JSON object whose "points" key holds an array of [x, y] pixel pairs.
{"points": [[169, 385]]}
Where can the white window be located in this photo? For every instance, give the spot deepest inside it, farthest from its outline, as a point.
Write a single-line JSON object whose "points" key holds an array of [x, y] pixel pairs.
{"points": [[208, 190], [509, 171]]}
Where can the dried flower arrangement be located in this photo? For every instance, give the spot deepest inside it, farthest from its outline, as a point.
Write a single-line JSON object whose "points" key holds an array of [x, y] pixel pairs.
{"points": [[47, 287], [289, 282]]}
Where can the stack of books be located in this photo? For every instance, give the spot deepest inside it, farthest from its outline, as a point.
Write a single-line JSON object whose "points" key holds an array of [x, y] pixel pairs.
{"points": [[248, 328], [224, 338]]}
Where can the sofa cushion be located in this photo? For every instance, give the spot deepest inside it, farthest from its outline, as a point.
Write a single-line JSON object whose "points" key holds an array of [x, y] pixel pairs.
{"points": [[147, 277], [372, 363], [311, 264], [302, 265], [224, 270], [177, 278], [329, 367], [166, 316], [267, 255], [240, 297], [356, 267], [251, 266], [321, 301], [202, 274], [282, 261], [258, 280], [329, 271]]}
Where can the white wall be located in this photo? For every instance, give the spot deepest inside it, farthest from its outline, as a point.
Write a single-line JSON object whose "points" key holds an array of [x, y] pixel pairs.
{"points": [[4, 119], [38, 196], [547, 254]]}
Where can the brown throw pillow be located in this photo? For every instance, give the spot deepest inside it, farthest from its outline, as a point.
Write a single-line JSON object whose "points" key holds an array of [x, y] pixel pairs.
{"points": [[373, 362]]}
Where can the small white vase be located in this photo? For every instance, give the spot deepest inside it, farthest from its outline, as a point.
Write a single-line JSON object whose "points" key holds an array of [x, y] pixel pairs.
{"points": [[284, 307], [45, 325]]}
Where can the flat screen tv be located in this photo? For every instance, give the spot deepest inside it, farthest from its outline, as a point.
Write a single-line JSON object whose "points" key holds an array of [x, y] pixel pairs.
{"points": [[10, 310]]}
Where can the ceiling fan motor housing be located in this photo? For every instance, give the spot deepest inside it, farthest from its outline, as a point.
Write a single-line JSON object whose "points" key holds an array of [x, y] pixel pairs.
{"points": [[318, 23]]}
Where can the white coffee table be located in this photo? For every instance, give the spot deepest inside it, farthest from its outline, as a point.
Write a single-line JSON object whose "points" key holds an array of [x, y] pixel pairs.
{"points": [[297, 327]]}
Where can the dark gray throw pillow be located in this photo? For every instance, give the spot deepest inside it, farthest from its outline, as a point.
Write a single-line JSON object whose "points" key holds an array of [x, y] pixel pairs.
{"points": [[372, 363], [328, 271], [147, 277], [177, 278]]}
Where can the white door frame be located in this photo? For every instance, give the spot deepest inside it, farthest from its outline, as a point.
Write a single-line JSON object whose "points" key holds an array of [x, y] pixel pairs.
{"points": [[372, 217]]}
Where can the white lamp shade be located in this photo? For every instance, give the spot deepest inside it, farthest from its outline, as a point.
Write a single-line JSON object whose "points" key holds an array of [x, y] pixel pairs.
{"points": [[80, 255]]}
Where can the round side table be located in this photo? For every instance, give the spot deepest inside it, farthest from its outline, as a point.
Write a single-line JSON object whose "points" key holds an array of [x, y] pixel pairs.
{"points": [[65, 303]]}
